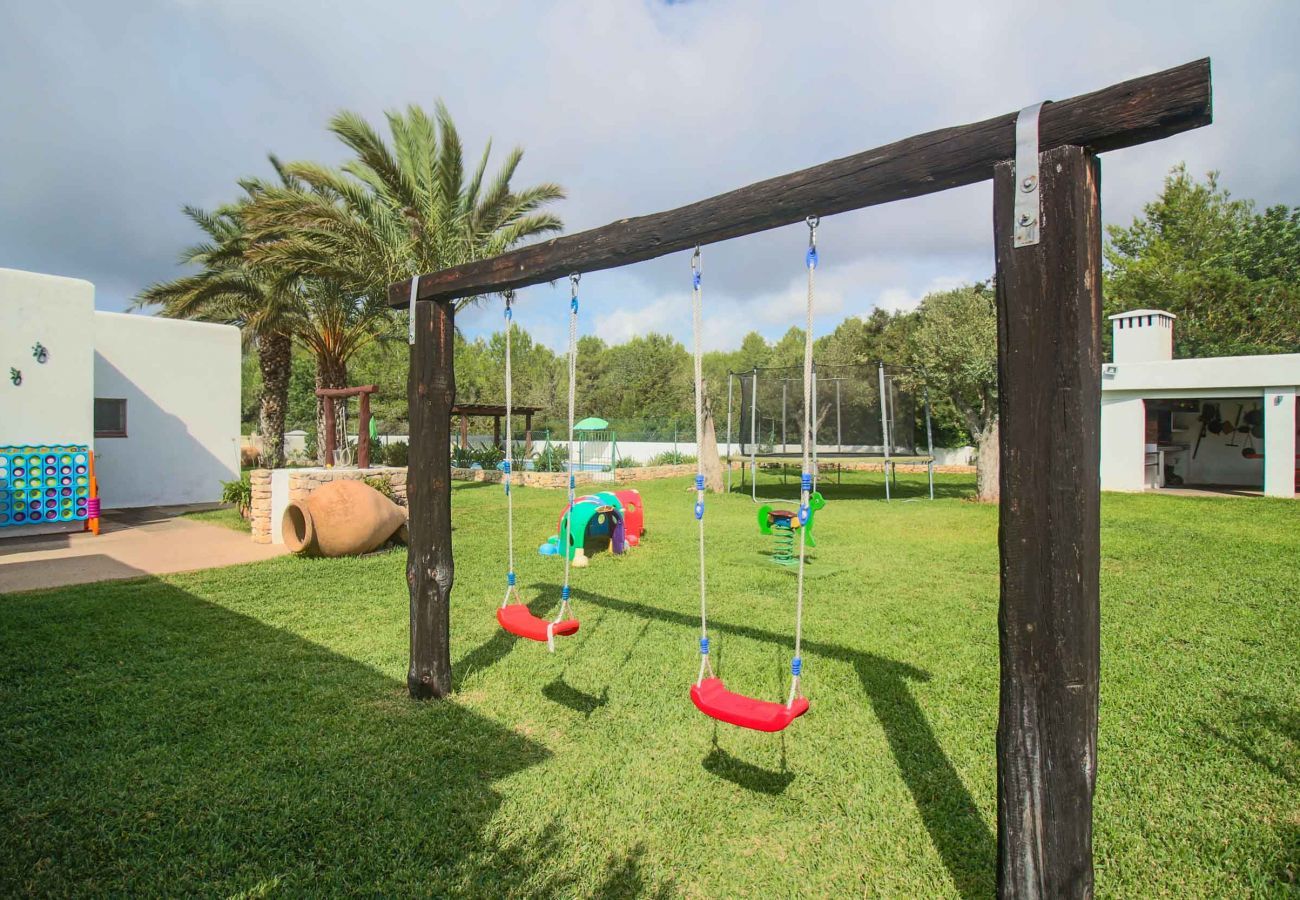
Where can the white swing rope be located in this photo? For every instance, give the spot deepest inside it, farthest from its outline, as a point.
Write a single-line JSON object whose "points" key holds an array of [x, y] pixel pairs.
{"points": [[565, 591], [697, 305], [511, 590], [805, 479]]}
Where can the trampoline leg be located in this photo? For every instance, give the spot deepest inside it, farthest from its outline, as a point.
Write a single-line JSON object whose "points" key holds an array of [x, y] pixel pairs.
{"points": [[886, 473], [930, 467]]}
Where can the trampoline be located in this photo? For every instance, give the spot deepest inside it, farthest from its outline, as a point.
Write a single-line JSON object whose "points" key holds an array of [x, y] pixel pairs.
{"points": [[862, 412]]}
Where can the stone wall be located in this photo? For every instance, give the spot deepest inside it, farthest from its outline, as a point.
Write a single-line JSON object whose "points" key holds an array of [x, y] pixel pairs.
{"points": [[260, 510], [561, 479], [303, 481]]}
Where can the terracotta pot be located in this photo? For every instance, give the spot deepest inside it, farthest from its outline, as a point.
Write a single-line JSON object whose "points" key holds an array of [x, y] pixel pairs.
{"points": [[341, 518]]}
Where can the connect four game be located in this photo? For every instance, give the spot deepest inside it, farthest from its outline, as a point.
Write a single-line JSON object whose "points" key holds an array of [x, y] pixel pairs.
{"points": [[47, 484]]}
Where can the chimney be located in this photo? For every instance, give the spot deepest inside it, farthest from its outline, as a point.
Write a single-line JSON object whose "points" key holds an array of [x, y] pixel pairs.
{"points": [[1143, 335]]}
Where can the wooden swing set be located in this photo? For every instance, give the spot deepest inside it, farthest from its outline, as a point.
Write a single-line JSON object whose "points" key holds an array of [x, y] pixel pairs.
{"points": [[1047, 239]]}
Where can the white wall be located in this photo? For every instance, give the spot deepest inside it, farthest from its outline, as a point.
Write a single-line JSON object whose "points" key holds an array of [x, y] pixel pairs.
{"points": [[1280, 437], [181, 382], [1123, 442], [53, 404]]}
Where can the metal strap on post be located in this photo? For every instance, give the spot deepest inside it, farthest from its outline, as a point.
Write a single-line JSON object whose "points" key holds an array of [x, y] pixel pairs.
{"points": [[1028, 205]]}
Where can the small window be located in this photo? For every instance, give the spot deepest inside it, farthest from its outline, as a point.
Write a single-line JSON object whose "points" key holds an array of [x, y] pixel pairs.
{"points": [[110, 418]]}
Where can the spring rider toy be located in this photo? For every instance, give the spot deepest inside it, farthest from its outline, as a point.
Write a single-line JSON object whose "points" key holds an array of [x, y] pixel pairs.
{"points": [[781, 524]]}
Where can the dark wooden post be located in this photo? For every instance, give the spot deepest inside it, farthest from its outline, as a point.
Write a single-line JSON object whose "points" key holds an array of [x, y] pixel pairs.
{"points": [[496, 431], [331, 434], [1049, 401], [431, 390], [363, 435], [464, 431], [528, 433]]}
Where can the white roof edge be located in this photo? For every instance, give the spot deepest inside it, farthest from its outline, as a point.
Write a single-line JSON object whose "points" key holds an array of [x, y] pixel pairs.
{"points": [[1142, 312], [166, 321]]}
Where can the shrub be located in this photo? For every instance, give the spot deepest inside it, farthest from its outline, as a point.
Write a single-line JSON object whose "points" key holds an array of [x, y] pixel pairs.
{"points": [[671, 458], [240, 493], [626, 462], [382, 485], [553, 458], [487, 456], [396, 454]]}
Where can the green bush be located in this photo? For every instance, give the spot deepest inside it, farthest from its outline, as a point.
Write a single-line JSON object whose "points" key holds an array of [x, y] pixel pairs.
{"points": [[553, 458], [239, 493], [626, 462], [382, 485], [396, 454], [671, 458]]}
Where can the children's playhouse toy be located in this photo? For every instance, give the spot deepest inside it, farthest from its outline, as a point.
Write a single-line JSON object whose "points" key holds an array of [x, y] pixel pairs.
{"points": [[48, 484], [614, 516], [782, 524]]}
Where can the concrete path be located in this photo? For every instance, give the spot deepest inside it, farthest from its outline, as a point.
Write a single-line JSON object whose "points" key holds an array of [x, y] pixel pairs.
{"points": [[131, 543]]}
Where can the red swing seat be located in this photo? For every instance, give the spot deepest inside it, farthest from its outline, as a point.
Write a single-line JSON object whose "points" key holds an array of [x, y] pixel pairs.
{"points": [[712, 698], [517, 619]]}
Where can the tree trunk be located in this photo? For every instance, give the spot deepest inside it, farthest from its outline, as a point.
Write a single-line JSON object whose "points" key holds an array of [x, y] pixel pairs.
{"points": [[706, 445], [1049, 527], [987, 464], [274, 354], [330, 373], [430, 569]]}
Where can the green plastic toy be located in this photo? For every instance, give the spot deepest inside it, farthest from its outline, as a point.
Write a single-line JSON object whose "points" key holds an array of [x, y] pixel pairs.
{"points": [[782, 524]]}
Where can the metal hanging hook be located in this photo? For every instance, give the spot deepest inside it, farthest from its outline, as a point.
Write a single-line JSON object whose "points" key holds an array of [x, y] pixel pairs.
{"points": [[813, 222], [573, 283], [509, 297], [697, 261]]}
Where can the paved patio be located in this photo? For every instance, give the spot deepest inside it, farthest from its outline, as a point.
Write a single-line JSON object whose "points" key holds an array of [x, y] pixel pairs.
{"points": [[131, 543]]}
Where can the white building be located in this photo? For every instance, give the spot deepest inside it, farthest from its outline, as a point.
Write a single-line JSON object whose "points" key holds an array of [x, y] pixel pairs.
{"points": [[1227, 421], [156, 399]]}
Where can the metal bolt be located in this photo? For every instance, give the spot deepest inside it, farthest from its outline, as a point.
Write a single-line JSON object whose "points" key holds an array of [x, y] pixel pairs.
{"points": [[1026, 219], [1030, 182]]}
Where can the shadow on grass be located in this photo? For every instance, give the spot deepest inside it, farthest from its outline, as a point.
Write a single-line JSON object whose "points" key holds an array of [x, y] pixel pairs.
{"points": [[745, 774], [962, 838], [561, 692], [159, 742]]}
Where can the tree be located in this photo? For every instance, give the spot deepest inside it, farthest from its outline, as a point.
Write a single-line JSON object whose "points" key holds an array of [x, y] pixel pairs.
{"points": [[392, 212], [1231, 275], [955, 343], [389, 213], [232, 289]]}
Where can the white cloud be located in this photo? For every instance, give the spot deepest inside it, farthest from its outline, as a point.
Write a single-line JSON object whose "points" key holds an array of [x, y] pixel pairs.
{"points": [[633, 105]]}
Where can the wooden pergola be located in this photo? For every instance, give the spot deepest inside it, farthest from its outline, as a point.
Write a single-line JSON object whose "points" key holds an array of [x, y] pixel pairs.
{"points": [[1047, 240], [496, 412]]}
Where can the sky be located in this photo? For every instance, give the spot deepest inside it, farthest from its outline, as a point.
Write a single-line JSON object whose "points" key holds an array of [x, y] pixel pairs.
{"points": [[116, 114]]}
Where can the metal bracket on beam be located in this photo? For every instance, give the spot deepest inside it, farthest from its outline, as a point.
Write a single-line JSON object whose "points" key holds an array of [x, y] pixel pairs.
{"points": [[1028, 205], [415, 289]]}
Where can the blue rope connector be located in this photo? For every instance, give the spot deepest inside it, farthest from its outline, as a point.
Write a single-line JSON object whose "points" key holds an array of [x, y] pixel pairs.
{"points": [[505, 466], [803, 514], [812, 257], [510, 579], [695, 278], [805, 482], [564, 592], [573, 305], [509, 314], [796, 666], [699, 482], [507, 483], [573, 483], [704, 646], [699, 509]]}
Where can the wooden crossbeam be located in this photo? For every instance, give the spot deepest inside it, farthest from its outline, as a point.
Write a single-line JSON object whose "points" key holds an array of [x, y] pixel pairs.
{"points": [[1122, 115]]}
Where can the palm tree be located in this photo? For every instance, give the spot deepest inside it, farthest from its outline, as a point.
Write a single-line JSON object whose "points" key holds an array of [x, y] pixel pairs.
{"points": [[229, 288], [393, 212]]}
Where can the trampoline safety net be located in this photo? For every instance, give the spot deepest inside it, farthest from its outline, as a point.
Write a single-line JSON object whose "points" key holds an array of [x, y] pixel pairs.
{"points": [[846, 412]]}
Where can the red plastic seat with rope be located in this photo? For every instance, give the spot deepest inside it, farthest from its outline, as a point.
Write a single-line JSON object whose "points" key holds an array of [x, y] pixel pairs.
{"points": [[519, 620], [713, 699]]}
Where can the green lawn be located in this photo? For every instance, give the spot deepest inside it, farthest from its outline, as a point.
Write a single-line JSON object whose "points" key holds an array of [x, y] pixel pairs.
{"points": [[247, 730], [225, 516]]}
